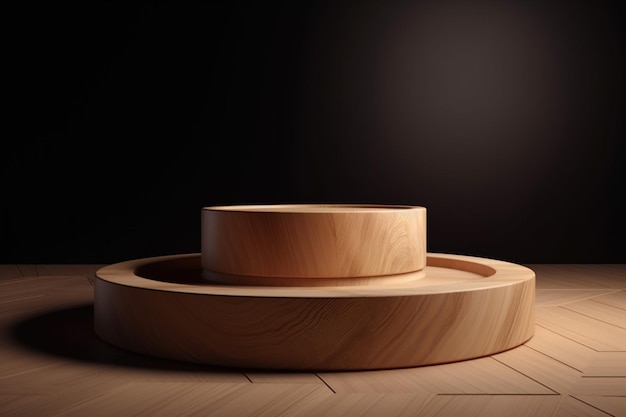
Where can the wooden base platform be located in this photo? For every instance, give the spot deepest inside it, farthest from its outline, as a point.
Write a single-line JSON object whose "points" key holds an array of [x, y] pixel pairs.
{"points": [[54, 364], [463, 308]]}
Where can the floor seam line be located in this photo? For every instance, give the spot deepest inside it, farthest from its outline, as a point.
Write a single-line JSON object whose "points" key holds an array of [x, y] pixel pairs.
{"points": [[592, 406], [591, 317], [521, 373], [554, 359], [568, 338], [325, 383]]}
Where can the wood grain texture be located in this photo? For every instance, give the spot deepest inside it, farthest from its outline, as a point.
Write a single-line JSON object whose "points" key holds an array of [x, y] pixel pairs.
{"points": [[605, 406], [597, 386], [312, 241], [57, 367], [600, 311], [554, 297], [481, 376], [555, 375], [10, 272], [561, 348], [587, 407], [615, 299], [588, 331], [495, 406], [175, 314], [607, 364]]}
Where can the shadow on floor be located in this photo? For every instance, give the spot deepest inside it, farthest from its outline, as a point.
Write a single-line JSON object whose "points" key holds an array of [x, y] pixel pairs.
{"points": [[69, 333]]}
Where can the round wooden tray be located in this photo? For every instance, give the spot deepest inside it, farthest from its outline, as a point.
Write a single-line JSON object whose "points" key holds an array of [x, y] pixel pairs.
{"points": [[463, 308]]}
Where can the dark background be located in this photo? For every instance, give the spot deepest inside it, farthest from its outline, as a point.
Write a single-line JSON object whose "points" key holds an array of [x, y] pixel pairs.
{"points": [[505, 119]]}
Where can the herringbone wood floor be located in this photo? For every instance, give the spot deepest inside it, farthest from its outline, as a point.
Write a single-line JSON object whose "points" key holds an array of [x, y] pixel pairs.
{"points": [[52, 363]]}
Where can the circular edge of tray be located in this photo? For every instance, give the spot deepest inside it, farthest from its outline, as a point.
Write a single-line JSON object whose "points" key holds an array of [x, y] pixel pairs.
{"points": [[495, 273], [361, 329]]}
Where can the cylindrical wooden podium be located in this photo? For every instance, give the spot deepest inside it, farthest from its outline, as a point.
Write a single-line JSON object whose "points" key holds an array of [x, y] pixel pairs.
{"points": [[315, 287], [304, 245]]}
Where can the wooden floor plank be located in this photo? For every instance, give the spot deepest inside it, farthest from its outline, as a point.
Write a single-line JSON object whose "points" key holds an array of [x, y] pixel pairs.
{"points": [[583, 407], [68, 269], [560, 348], [368, 405], [493, 405], [555, 375], [20, 405], [601, 386], [216, 400], [558, 297], [19, 361], [615, 299], [614, 406], [600, 311], [67, 373], [9, 272], [54, 399], [478, 376], [29, 297], [63, 402], [283, 377], [578, 348], [606, 364], [8, 300], [44, 285], [588, 331], [13, 290], [65, 363], [39, 285], [27, 270], [55, 380]]}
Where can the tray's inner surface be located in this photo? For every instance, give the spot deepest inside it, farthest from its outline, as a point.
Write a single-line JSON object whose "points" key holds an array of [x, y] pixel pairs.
{"points": [[188, 270]]}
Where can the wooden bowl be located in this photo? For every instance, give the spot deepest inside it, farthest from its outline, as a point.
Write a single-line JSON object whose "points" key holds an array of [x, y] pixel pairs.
{"points": [[305, 241]]}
